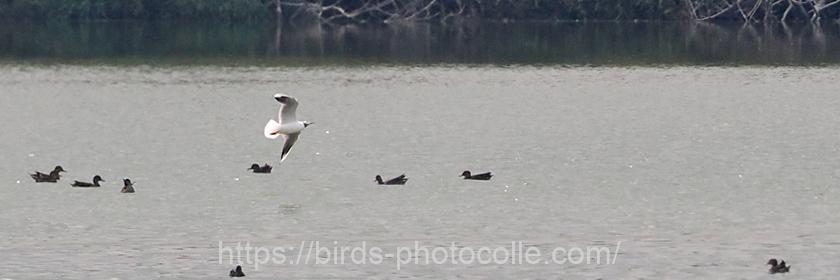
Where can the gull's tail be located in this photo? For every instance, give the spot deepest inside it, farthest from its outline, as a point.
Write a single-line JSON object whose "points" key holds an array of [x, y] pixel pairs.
{"points": [[271, 129]]}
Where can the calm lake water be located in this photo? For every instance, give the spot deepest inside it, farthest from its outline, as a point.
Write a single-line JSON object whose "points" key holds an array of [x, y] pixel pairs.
{"points": [[699, 171], [569, 43]]}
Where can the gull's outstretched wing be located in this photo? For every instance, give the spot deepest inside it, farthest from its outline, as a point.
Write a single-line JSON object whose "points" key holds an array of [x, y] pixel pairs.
{"points": [[287, 145], [287, 108]]}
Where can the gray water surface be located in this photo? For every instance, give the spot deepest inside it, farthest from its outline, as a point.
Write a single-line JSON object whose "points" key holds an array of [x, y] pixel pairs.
{"points": [[700, 172]]}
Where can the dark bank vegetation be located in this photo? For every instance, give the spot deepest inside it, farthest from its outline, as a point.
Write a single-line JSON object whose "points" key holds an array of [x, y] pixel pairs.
{"points": [[339, 11]]}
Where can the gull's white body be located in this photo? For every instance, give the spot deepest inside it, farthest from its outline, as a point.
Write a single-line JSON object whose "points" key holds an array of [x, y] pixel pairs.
{"points": [[273, 129], [286, 124]]}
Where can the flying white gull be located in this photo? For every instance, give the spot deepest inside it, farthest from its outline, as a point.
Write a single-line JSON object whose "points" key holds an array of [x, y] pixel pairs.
{"points": [[286, 125]]}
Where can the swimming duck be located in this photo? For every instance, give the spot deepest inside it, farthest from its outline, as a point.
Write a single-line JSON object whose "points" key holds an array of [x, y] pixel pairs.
{"points": [[778, 267], [50, 178], [128, 186], [399, 180], [96, 180], [237, 272], [483, 176], [46, 178], [260, 169]]}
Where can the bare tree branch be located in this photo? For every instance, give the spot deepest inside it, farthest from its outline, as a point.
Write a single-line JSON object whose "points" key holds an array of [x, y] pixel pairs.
{"points": [[388, 11]]}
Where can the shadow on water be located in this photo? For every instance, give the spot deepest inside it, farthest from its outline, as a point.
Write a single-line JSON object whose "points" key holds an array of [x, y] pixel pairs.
{"points": [[570, 43]]}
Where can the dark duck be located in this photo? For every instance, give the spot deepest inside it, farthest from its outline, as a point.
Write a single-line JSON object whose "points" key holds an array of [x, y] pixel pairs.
{"points": [[49, 178], [483, 176], [399, 180], [778, 267], [237, 272], [128, 186], [96, 180], [260, 169]]}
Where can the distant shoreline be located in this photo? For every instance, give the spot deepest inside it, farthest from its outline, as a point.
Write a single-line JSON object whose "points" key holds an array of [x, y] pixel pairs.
{"points": [[269, 44], [380, 11]]}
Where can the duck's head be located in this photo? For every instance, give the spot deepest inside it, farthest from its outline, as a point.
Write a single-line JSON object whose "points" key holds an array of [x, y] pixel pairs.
{"points": [[239, 269], [254, 166], [466, 174], [378, 179], [58, 168], [97, 179], [773, 262], [127, 182]]}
